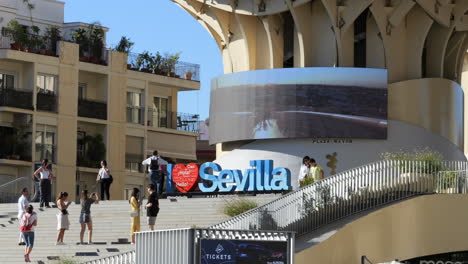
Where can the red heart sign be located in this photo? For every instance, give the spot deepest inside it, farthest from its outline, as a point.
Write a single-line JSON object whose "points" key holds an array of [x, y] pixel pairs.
{"points": [[185, 177]]}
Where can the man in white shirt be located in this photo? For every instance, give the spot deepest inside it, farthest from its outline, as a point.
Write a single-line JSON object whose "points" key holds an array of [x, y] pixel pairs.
{"points": [[23, 204], [154, 170], [304, 170]]}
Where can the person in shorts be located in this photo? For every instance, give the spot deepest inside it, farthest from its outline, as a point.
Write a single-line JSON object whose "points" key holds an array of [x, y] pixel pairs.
{"points": [[152, 207], [28, 223], [85, 215]]}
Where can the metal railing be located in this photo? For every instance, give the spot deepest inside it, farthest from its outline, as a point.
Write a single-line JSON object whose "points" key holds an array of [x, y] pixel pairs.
{"points": [[182, 70], [350, 192], [11, 191], [28, 42], [124, 258], [183, 246], [174, 120], [46, 102], [92, 109], [15, 97]]}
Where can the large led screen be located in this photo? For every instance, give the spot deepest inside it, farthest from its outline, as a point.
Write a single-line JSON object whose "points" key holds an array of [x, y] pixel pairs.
{"points": [[243, 252], [299, 103]]}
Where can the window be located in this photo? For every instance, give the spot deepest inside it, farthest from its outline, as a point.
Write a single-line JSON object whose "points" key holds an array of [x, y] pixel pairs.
{"points": [[7, 81], [160, 111], [81, 146], [82, 87], [45, 142], [46, 84], [135, 107]]}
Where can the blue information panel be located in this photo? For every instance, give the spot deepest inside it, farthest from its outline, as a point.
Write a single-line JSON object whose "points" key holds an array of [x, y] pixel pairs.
{"points": [[243, 252]]}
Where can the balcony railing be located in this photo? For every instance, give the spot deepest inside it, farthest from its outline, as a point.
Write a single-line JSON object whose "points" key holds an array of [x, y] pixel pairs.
{"points": [[135, 115], [46, 102], [31, 43], [92, 109], [14, 97], [182, 70], [174, 120], [46, 151]]}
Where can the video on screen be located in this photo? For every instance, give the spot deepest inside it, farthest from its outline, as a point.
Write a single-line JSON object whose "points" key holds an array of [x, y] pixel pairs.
{"points": [[299, 103]]}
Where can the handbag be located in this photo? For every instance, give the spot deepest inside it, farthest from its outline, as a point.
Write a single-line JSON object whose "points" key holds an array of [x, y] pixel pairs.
{"points": [[111, 179], [134, 213]]}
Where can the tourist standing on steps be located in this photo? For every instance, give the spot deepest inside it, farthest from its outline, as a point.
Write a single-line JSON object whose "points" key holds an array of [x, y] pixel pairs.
{"points": [[105, 180], [23, 204], [154, 170], [152, 207], [62, 217], [85, 215], [45, 176], [135, 213], [28, 224]]}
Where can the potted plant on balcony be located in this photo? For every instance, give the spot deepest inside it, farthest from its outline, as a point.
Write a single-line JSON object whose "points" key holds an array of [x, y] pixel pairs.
{"points": [[172, 61], [188, 75], [80, 37], [52, 35], [125, 45], [17, 33], [96, 41], [35, 40], [156, 63], [146, 59]]}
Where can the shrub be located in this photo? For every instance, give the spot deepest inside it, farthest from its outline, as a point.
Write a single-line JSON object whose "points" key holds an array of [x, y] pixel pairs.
{"points": [[430, 160], [306, 181], [238, 206]]}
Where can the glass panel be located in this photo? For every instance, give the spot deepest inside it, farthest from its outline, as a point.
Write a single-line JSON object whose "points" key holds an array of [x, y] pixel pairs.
{"points": [[129, 98], [39, 135], [50, 138], [82, 90], [163, 112], [40, 82], [137, 99], [50, 84], [156, 104]]}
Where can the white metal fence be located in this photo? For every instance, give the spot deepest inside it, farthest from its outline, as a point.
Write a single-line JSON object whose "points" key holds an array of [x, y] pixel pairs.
{"points": [[351, 192], [124, 258]]}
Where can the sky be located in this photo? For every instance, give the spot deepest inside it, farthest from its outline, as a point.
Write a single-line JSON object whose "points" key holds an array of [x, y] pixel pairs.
{"points": [[157, 25]]}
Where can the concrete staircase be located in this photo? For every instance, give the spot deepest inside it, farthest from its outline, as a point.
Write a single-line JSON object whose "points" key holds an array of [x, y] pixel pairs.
{"points": [[111, 223]]}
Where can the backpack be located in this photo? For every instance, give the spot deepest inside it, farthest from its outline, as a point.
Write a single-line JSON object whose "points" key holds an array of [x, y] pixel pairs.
{"points": [[26, 227], [154, 165]]}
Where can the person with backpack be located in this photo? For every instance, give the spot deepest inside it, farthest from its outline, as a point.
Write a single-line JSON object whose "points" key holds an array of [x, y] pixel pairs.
{"points": [[154, 170], [105, 180], [28, 223]]}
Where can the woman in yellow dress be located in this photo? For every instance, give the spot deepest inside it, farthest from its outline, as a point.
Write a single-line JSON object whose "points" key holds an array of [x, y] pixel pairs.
{"points": [[135, 213]]}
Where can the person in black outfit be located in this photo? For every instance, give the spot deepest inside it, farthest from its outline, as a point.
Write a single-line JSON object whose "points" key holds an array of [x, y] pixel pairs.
{"points": [[104, 178], [152, 206], [45, 176]]}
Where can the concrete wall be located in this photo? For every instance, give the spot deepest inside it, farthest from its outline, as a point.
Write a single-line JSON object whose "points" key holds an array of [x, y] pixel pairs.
{"points": [[421, 226]]}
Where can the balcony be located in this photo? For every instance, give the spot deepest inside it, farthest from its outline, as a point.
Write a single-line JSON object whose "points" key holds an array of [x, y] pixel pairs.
{"points": [[165, 66], [174, 120], [135, 115], [15, 142], [46, 151], [14, 97], [46, 102], [92, 109], [30, 42]]}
